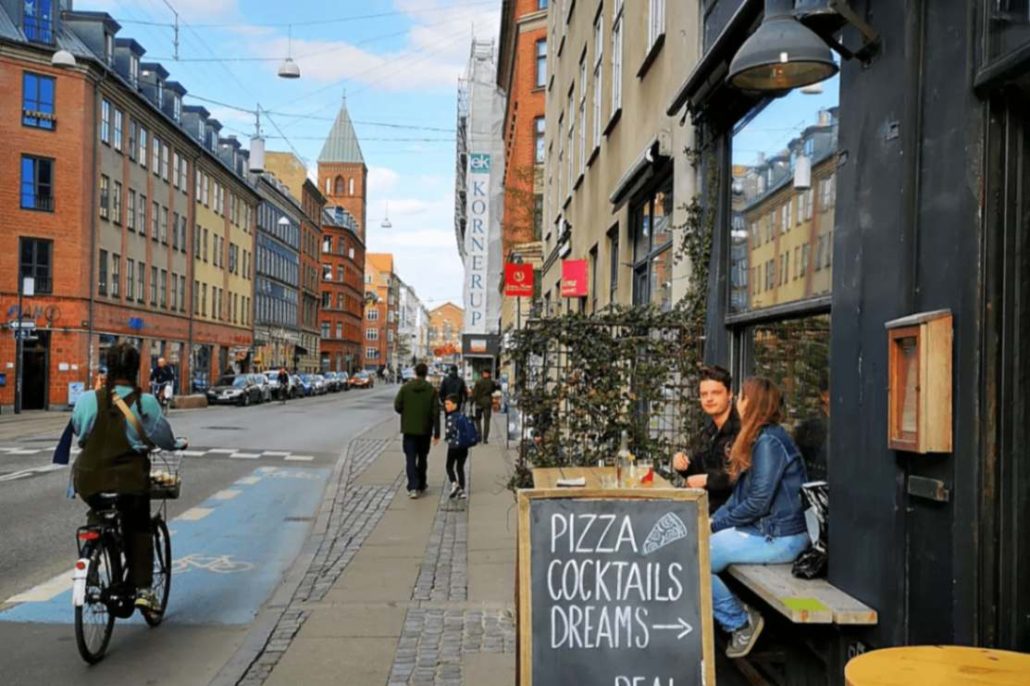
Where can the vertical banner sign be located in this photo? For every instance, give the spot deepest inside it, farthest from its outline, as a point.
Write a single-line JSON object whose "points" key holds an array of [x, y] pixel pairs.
{"points": [[574, 275], [614, 588], [518, 280], [476, 243]]}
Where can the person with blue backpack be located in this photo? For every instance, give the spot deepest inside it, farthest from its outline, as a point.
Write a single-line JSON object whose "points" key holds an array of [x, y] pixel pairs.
{"points": [[461, 435]]}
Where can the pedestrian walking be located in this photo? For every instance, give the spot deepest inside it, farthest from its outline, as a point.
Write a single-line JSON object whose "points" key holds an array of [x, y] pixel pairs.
{"points": [[460, 436], [418, 405], [483, 400], [453, 384], [763, 521]]}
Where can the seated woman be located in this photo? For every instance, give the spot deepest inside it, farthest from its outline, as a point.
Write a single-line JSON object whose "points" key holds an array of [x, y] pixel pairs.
{"points": [[763, 520]]}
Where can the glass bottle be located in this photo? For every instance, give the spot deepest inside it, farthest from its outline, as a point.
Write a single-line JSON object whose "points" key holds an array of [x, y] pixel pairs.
{"points": [[622, 459]]}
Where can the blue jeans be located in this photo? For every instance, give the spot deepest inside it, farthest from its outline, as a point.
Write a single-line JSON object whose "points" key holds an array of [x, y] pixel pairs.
{"points": [[732, 546]]}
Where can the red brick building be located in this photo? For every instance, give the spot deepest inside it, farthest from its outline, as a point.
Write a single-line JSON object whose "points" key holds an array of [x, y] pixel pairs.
{"points": [[522, 75], [342, 177], [100, 158]]}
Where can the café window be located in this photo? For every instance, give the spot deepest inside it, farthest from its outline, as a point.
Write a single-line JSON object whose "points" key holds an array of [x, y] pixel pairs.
{"points": [[651, 219], [780, 255]]}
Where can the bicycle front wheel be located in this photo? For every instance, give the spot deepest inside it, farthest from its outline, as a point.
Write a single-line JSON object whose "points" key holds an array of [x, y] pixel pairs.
{"points": [[162, 572], [93, 620]]}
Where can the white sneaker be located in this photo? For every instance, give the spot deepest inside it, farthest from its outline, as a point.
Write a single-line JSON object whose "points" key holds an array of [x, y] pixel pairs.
{"points": [[455, 489], [462, 494], [412, 494]]}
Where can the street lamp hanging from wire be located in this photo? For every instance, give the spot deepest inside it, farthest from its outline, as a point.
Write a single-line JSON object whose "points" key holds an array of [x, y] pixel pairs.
{"points": [[289, 69]]}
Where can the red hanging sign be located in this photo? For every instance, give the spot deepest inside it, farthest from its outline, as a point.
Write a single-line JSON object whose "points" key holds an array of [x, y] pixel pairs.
{"points": [[518, 280], [574, 275]]}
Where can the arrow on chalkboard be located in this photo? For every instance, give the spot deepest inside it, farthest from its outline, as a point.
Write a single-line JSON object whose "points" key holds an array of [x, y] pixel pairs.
{"points": [[681, 626]]}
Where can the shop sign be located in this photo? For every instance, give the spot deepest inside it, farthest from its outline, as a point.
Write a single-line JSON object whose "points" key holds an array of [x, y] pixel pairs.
{"points": [[518, 280], [574, 275]]}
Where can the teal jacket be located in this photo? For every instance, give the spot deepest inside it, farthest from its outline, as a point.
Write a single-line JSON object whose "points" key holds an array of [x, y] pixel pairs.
{"points": [[418, 404]]}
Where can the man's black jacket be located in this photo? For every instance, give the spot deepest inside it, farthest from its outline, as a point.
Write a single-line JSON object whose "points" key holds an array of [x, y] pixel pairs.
{"points": [[710, 456]]}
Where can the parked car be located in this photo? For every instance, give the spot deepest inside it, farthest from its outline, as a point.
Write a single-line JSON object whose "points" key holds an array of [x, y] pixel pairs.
{"points": [[261, 381], [321, 384], [234, 390], [273, 382], [302, 388], [344, 379], [312, 382], [333, 380], [362, 380]]}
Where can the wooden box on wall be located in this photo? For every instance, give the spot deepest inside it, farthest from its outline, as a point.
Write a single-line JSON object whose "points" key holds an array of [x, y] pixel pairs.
{"points": [[920, 382]]}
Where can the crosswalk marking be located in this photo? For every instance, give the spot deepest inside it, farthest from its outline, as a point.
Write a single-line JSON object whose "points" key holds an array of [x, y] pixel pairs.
{"points": [[194, 514], [300, 458], [275, 453], [245, 456], [227, 494], [25, 473], [248, 480]]}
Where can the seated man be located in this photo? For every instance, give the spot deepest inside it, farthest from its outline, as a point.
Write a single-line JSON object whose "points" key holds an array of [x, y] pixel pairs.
{"points": [[705, 467]]}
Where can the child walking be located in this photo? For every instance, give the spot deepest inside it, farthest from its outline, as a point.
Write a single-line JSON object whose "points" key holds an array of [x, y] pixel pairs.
{"points": [[461, 435]]}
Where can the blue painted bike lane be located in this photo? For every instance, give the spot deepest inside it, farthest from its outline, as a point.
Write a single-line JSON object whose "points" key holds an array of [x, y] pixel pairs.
{"points": [[229, 553]]}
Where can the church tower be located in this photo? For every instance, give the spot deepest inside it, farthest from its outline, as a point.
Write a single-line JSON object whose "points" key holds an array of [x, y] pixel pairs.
{"points": [[342, 174]]}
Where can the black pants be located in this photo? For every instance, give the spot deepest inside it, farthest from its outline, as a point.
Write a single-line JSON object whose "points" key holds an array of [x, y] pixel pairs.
{"points": [[138, 531], [456, 461], [483, 415], [416, 454]]}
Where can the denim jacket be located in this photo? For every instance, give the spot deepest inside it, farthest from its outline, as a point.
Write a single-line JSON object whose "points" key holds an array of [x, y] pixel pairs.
{"points": [[767, 497]]}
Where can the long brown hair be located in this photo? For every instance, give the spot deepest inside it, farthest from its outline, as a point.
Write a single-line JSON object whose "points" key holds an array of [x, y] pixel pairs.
{"points": [[764, 401]]}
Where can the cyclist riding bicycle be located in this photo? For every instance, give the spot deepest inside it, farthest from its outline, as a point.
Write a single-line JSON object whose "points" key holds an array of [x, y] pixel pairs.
{"points": [[284, 384], [161, 378], [115, 457]]}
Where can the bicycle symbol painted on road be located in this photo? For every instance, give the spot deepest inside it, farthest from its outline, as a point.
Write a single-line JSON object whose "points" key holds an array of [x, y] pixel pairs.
{"points": [[219, 564]]}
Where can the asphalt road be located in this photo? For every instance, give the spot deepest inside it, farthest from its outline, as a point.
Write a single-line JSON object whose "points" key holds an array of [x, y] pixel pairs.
{"points": [[253, 479]]}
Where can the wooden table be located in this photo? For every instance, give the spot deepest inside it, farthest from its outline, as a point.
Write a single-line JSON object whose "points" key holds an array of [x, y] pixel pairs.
{"points": [[938, 666], [548, 477]]}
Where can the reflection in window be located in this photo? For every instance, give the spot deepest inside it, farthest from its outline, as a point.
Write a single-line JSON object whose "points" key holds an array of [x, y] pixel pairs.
{"points": [[652, 248], [1008, 26], [796, 354], [783, 197]]}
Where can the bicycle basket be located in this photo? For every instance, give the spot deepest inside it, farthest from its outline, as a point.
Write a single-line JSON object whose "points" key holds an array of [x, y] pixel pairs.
{"points": [[165, 475]]}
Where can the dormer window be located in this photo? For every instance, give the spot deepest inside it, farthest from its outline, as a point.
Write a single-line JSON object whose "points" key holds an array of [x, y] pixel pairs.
{"points": [[134, 70], [200, 129], [177, 108], [160, 93], [108, 48], [39, 21]]}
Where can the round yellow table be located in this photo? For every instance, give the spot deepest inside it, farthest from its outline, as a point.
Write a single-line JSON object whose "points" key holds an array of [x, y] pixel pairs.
{"points": [[938, 666]]}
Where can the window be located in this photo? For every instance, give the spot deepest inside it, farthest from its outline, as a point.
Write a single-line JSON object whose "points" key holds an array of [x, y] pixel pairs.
{"points": [[325, 329], [339, 330], [613, 264], [118, 118], [350, 186], [153, 286], [541, 4], [339, 273], [105, 122], [141, 270], [155, 221], [598, 79], [39, 20], [37, 183], [204, 245], [203, 299], [116, 203], [583, 112], [102, 274], [141, 153], [339, 186], [570, 149], [327, 244], [164, 225], [133, 128], [656, 22], [372, 334], [105, 196], [116, 276], [539, 126], [164, 162], [593, 278], [37, 101], [541, 63], [652, 243], [36, 262], [373, 314], [371, 353], [155, 159], [182, 293], [617, 58], [130, 279], [141, 215]]}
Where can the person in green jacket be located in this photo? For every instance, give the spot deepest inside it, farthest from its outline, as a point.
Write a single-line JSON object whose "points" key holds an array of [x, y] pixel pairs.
{"points": [[115, 459], [418, 404], [483, 399]]}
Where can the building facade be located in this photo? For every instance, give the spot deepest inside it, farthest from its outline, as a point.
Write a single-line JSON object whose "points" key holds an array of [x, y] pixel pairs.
{"points": [[919, 208], [101, 216], [289, 169], [382, 288], [616, 179], [412, 327], [342, 177], [522, 76], [445, 323]]}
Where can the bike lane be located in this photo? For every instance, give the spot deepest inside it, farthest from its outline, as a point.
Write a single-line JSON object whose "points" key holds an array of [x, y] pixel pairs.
{"points": [[229, 553]]}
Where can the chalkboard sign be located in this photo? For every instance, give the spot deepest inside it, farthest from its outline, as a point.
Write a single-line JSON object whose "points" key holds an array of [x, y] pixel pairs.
{"points": [[614, 588]]}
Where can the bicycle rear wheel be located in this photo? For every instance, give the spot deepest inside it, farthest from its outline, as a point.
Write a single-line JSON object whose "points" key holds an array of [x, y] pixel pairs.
{"points": [[162, 572], [93, 619]]}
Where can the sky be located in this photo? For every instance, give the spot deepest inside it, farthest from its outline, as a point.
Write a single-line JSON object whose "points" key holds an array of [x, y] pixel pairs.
{"points": [[397, 62]]}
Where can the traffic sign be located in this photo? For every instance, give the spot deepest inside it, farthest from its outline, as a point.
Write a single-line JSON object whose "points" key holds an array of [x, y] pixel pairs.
{"points": [[24, 324]]}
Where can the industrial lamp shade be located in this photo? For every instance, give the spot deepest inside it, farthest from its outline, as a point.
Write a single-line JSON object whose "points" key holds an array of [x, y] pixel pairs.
{"points": [[289, 69], [781, 54]]}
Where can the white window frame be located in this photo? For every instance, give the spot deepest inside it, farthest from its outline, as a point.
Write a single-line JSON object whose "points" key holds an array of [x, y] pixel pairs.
{"points": [[598, 78], [583, 113], [118, 121], [655, 22], [617, 43]]}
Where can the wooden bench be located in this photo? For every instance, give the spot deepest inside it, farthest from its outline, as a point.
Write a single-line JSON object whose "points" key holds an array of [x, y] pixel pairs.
{"points": [[802, 601]]}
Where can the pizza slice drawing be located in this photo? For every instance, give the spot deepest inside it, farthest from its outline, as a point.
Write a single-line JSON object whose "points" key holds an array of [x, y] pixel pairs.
{"points": [[669, 529]]}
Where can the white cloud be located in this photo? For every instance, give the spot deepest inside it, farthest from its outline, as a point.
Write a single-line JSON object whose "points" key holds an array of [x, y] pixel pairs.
{"points": [[381, 180]]}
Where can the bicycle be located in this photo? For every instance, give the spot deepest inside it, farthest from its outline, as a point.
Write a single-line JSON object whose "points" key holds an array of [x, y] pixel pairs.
{"points": [[101, 590], [163, 392]]}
